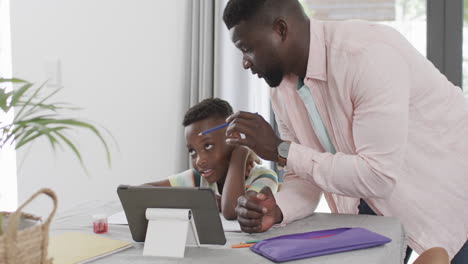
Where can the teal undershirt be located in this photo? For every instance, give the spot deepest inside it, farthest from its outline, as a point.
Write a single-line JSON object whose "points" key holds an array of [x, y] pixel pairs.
{"points": [[314, 117]]}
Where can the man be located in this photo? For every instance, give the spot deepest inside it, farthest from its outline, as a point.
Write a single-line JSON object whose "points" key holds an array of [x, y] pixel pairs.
{"points": [[364, 118]]}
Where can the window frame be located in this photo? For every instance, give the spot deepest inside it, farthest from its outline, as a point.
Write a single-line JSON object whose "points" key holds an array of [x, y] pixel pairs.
{"points": [[445, 18]]}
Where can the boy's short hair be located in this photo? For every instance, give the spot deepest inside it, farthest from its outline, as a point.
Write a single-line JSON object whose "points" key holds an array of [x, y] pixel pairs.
{"points": [[210, 107], [241, 10]]}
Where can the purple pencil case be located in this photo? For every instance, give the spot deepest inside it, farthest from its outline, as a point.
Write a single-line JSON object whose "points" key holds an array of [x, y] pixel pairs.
{"points": [[317, 243]]}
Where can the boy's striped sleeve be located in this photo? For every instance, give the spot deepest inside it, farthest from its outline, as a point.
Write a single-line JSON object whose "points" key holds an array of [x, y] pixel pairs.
{"points": [[264, 178], [183, 179]]}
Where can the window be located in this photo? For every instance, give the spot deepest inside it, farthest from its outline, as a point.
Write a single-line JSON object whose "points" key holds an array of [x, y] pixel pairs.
{"points": [[373, 10], [411, 21], [8, 182], [465, 47], [407, 16]]}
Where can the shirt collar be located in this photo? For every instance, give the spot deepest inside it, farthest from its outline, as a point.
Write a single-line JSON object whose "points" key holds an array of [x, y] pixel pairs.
{"points": [[317, 62]]}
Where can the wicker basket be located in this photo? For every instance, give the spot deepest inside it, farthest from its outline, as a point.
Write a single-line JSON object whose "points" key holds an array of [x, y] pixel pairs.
{"points": [[26, 238]]}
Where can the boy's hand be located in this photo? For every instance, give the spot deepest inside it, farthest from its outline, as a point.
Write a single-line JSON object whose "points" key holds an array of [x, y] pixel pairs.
{"points": [[218, 202], [252, 158], [244, 153], [258, 212]]}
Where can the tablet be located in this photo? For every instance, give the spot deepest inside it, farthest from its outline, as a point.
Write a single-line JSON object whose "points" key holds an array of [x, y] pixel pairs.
{"points": [[202, 202]]}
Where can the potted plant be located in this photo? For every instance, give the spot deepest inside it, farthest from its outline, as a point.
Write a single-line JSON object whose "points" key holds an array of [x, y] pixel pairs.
{"points": [[35, 116]]}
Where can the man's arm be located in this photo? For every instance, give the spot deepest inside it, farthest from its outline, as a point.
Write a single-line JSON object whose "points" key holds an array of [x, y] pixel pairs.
{"points": [[298, 198], [380, 96]]}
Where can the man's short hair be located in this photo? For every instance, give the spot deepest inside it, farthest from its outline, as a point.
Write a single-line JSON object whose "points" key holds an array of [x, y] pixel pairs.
{"points": [[241, 10], [211, 107]]}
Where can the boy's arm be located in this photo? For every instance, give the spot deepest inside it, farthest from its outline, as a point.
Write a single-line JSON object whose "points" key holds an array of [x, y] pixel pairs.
{"points": [[234, 184], [183, 179], [162, 183]]}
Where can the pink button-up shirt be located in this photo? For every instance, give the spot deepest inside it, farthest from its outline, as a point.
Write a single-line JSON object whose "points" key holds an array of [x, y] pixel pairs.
{"points": [[400, 129]]}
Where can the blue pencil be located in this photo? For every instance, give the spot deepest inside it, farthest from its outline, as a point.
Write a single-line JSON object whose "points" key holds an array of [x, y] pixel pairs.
{"points": [[213, 129]]}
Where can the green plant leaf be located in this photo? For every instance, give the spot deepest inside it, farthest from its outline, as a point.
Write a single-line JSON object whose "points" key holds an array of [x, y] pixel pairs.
{"points": [[19, 93], [16, 132], [27, 137], [4, 96], [77, 123], [28, 103], [18, 125], [36, 130], [12, 80], [72, 146], [4, 100], [37, 117], [41, 104]]}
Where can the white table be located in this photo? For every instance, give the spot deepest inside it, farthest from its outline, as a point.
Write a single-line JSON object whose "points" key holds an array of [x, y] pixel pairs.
{"points": [[79, 219]]}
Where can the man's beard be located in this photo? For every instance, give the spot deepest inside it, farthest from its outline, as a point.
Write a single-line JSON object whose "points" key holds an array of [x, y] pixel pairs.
{"points": [[274, 78]]}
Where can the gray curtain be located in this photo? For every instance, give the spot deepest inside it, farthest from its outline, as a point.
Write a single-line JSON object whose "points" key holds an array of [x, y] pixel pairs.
{"points": [[216, 65], [239, 87], [201, 54], [232, 82]]}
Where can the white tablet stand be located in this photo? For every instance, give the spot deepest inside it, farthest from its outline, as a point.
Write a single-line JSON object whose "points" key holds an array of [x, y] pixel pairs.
{"points": [[168, 232]]}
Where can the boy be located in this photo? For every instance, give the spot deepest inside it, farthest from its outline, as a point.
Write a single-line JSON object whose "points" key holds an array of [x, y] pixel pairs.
{"points": [[229, 171]]}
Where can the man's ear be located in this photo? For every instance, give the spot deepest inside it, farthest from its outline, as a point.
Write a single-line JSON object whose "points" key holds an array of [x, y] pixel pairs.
{"points": [[281, 28]]}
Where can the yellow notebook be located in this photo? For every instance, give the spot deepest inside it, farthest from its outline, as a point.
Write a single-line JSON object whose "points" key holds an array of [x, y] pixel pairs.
{"points": [[74, 247]]}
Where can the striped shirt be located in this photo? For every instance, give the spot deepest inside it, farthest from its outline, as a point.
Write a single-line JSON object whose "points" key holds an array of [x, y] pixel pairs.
{"points": [[258, 178]]}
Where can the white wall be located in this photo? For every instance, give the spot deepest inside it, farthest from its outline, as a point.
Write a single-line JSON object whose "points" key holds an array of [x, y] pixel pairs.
{"points": [[125, 63]]}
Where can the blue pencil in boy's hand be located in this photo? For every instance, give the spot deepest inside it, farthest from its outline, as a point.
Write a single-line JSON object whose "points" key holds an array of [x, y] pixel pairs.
{"points": [[213, 129]]}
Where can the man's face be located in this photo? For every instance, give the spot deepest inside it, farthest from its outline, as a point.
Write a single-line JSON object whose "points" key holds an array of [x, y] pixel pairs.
{"points": [[260, 47], [210, 154]]}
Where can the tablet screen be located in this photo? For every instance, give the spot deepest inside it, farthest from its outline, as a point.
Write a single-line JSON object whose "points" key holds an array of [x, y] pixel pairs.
{"points": [[136, 199]]}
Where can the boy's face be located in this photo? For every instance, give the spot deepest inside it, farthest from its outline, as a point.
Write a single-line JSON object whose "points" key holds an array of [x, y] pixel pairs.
{"points": [[209, 153]]}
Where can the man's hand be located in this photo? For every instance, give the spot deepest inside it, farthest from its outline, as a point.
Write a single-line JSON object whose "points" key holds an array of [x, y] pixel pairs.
{"points": [[258, 212], [259, 135]]}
